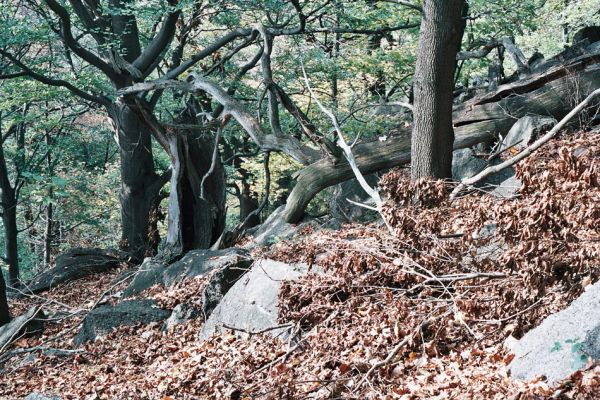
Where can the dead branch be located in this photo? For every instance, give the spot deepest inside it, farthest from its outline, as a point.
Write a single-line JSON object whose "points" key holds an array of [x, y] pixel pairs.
{"points": [[465, 277], [253, 333], [213, 163], [373, 193]]}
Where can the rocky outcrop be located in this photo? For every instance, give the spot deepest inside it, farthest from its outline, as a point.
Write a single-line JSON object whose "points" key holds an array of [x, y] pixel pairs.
{"points": [[194, 263], [562, 343]]}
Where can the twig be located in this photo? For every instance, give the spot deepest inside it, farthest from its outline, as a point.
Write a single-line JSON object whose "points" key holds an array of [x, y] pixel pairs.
{"points": [[392, 354], [45, 349], [252, 333], [466, 277]]}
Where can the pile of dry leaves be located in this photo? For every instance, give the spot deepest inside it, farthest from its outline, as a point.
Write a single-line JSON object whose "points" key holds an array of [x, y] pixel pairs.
{"points": [[420, 313]]}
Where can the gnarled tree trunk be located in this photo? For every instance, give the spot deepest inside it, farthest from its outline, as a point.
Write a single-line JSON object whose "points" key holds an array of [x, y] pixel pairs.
{"points": [[196, 208]]}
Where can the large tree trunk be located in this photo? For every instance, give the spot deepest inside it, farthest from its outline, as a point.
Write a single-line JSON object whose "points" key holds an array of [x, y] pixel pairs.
{"points": [[442, 28], [195, 221], [140, 185], [9, 220]]}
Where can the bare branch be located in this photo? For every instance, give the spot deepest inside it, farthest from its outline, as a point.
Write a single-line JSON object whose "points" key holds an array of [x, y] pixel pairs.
{"points": [[158, 45], [102, 100], [287, 144]]}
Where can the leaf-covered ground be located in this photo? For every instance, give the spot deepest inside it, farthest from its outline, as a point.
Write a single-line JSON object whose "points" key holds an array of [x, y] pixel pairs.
{"points": [[421, 312]]}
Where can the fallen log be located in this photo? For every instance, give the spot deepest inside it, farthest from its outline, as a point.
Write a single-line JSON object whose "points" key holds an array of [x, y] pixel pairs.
{"points": [[75, 264], [553, 92]]}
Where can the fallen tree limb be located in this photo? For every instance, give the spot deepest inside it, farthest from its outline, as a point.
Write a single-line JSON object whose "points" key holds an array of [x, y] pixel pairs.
{"points": [[527, 151], [22, 325]]}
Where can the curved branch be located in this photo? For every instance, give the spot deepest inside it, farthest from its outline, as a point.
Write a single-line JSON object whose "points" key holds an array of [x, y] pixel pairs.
{"points": [[158, 44], [74, 45], [207, 51], [102, 100], [286, 144]]}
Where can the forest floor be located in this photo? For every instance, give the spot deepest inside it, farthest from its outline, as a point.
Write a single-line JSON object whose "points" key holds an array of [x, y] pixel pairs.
{"points": [[423, 296]]}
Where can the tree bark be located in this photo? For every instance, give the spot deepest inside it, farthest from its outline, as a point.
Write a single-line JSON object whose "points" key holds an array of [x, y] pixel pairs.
{"points": [[4, 312], [140, 185], [441, 33], [9, 220], [248, 200]]}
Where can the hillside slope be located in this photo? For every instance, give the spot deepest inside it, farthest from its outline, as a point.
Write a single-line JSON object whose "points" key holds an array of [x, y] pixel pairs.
{"points": [[423, 312]]}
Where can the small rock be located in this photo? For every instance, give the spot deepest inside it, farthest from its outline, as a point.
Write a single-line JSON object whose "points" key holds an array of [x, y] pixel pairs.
{"points": [[127, 313], [40, 396], [181, 314]]}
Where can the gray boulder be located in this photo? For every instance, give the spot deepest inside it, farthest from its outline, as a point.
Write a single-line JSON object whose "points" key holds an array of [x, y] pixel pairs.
{"points": [[275, 228], [251, 304], [562, 343], [194, 263], [504, 184], [525, 131], [465, 164], [103, 319]]}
